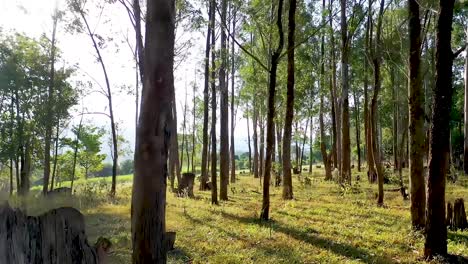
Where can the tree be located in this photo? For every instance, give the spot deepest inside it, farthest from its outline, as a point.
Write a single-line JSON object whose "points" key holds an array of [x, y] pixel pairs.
{"points": [[206, 98], [224, 108], [214, 163], [153, 136], [436, 230], [287, 178], [275, 58], [78, 6], [416, 126], [345, 172], [90, 144]]}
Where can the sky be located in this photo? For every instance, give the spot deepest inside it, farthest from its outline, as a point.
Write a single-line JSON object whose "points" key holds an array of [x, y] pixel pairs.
{"points": [[33, 18]]}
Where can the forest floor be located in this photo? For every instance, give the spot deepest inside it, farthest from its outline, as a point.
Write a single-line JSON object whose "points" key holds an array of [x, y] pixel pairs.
{"points": [[323, 224]]}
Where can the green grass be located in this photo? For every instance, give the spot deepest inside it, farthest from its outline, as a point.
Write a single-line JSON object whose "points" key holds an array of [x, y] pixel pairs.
{"points": [[323, 224]]}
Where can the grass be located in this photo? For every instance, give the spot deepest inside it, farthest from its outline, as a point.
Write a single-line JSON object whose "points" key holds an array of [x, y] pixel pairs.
{"points": [[323, 224]]}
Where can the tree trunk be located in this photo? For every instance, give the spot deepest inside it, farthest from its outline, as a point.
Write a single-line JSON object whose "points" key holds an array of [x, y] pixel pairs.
{"points": [[345, 141], [214, 162], [358, 129], [75, 153], [153, 136], [206, 98], [371, 174], [377, 86], [275, 57], [323, 149], [465, 153], [224, 109], [248, 142], [303, 145], [49, 102], [416, 126], [436, 231], [255, 139], [287, 177], [261, 160], [395, 120], [233, 116], [333, 92], [114, 153]]}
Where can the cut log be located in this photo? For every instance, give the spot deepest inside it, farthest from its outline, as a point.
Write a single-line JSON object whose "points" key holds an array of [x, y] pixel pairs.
{"points": [[57, 236], [186, 185], [459, 215]]}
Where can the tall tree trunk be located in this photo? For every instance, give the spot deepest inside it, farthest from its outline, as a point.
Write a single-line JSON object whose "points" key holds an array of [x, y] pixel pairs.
{"points": [[345, 141], [395, 127], [214, 162], [279, 140], [303, 145], [153, 136], [206, 98], [115, 154], [465, 153], [326, 160], [436, 230], [224, 109], [416, 124], [75, 152], [194, 109], [255, 139], [371, 174], [56, 145], [233, 116], [275, 58], [261, 160], [248, 143], [49, 102], [333, 92], [311, 144], [287, 177], [11, 176], [358, 129], [377, 86]]}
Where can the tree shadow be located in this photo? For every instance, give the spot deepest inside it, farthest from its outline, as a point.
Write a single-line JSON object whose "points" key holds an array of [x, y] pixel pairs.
{"points": [[338, 248], [283, 252], [178, 255]]}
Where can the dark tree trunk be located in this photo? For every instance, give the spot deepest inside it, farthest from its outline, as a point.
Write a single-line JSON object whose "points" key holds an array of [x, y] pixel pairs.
{"points": [[214, 161], [333, 92], [436, 231], [275, 57], [206, 98], [373, 122], [323, 149], [287, 177], [416, 125], [224, 109], [154, 136], [358, 129], [345, 135], [371, 171]]}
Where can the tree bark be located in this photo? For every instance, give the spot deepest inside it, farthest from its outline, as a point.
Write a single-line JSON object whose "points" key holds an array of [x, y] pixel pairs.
{"points": [[224, 109], [49, 102], [358, 129], [233, 116], [465, 152], [275, 58], [154, 136], [248, 142], [255, 139], [115, 154], [287, 177], [436, 231], [214, 162], [416, 125], [206, 98], [371, 174], [345, 138], [333, 92], [377, 86]]}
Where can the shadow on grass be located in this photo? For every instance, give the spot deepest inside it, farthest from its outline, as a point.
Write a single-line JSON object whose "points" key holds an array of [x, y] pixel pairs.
{"points": [[285, 252], [178, 256], [342, 249]]}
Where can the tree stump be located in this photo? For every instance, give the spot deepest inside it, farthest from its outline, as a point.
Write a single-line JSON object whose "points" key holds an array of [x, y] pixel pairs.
{"points": [[186, 185], [296, 170], [459, 215], [449, 218], [57, 236]]}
